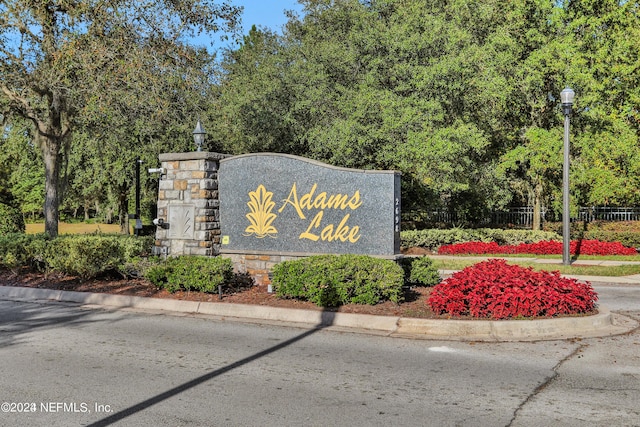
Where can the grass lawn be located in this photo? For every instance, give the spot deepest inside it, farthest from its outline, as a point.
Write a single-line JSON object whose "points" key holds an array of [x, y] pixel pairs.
{"points": [[75, 228]]}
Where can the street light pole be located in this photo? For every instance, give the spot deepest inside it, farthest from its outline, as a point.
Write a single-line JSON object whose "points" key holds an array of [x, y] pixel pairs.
{"points": [[567, 96]]}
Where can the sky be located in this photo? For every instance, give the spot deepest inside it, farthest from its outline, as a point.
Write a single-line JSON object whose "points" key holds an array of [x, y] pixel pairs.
{"points": [[262, 13]]}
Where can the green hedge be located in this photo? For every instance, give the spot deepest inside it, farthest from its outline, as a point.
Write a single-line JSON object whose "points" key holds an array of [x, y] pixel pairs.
{"points": [[627, 238], [420, 271], [84, 256], [19, 249], [81, 255], [434, 238], [11, 220], [191, 273], [333, 280], [625, 232]]}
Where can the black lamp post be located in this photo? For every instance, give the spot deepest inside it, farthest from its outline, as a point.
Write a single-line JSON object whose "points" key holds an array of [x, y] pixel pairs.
{"points": [[198, 135], [567, 97]]}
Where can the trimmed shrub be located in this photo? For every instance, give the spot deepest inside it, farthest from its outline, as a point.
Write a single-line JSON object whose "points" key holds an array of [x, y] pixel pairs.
{"points": [[85, 256], [495, 289], [191, 273], [19, 249], [134, 246], [81, 255], [420, 271], [11, 220], [333, 280], [515, 237], [307, 278], [434, 238], [12, 250], [627, 238]]}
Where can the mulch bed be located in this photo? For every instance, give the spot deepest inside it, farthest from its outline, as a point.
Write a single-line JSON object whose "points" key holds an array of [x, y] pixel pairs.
{"points": [[414, 304]]}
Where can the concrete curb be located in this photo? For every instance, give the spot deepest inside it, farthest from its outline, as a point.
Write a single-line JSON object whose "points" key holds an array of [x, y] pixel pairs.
{"points": [[603, 324]]}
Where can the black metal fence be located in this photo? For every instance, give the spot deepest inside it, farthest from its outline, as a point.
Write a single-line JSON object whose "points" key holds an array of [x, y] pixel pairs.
{"points": [[516, 216], [523, 216], [609, 214]]}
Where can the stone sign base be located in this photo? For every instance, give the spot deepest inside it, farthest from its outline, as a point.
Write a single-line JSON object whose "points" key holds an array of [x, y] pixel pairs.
{"points": [[188, 204], [259, 265]]}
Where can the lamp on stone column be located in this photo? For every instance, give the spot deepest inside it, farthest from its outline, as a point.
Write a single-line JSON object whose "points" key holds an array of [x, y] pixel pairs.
{"points": [[567, 97], [198, 136]]}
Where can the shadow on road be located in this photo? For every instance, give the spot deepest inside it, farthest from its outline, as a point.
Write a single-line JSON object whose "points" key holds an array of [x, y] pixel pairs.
{"points": [[23, 317], [327, 320]]}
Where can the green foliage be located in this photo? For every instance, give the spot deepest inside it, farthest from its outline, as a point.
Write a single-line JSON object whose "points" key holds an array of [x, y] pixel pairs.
{"points": [[11, 220], [21, 250], [422, 272], [84, 256], [627, 238], [191, 273], [157, 274], [434, 238], [135, 246], [462, 98], [332, 280], [60, 73], [25, 177], [608, 169], [625, 232], [618, 226], [515, 237]]}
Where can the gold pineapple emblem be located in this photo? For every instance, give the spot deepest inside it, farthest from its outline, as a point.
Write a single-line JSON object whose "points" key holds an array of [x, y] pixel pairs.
{"points": [[261, 217]]}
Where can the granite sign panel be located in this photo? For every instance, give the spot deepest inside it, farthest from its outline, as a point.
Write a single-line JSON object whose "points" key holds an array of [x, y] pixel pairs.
{"points": [[287, 204]]}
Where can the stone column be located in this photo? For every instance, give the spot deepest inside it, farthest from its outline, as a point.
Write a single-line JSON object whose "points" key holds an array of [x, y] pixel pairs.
{"points": [[188, 204]]}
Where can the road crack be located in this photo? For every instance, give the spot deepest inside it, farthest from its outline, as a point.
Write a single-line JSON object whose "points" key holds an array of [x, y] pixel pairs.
{"points": [[549, 380]]}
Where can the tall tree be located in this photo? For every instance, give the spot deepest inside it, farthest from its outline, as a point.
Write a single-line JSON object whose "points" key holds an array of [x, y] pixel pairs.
{"points": [[413, 85], [253, 103], [460, 95], [49, 51], [22, 172]]}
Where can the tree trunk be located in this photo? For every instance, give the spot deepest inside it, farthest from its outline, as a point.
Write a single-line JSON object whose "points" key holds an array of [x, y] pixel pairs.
{"points": [[50, 136], [50, 149], [123, 208], [537, 206]]}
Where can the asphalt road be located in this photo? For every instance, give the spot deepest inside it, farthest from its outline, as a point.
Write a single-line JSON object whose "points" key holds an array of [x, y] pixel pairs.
{"points": [[62, 365]]}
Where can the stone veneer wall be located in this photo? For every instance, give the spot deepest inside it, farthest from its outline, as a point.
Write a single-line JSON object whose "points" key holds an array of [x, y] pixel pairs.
{"points": [[188, 202], [258, 265]]}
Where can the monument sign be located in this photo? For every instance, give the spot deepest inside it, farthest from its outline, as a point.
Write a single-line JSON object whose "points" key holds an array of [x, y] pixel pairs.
{"points": [[277, 203]]}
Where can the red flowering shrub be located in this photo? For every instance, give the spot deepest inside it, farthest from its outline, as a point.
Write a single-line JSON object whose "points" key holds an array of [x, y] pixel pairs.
{"points": [[545, 247], [597, 247], [473, 248], [497, 290]]}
